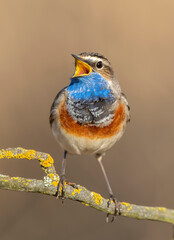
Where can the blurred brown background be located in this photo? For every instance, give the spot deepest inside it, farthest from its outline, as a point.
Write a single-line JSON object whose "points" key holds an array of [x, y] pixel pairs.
{"points": [[37, 38]]}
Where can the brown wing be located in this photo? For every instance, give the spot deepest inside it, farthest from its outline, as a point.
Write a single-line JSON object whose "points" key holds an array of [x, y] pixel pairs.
{"points": [[57, 100]]}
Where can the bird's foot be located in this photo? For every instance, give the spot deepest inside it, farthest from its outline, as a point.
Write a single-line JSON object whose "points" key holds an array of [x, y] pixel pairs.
{"points": [[117, 208], [61, 188]]}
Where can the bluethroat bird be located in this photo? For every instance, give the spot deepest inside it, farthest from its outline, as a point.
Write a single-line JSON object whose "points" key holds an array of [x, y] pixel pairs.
{"points": [[89, 115]]}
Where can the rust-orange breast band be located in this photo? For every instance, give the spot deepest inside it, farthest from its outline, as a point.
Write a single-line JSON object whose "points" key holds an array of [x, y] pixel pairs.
{"points": [[91, 132]]}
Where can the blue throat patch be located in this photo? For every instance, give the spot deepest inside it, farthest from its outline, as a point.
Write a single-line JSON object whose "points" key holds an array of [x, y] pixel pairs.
{"points": [[90, 88]]}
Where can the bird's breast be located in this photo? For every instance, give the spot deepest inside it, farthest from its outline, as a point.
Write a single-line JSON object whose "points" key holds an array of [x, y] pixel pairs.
{"points": [[72, 127]]}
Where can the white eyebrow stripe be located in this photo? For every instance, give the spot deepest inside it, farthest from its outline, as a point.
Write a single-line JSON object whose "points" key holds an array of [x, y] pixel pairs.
{"points": [[93, 58]]}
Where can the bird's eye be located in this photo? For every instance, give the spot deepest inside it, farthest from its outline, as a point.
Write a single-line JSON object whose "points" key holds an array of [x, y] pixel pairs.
{"points": [[99, 64]]}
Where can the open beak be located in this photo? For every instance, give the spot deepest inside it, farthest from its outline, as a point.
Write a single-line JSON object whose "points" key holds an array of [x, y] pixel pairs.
{"points": [[82, 68]]}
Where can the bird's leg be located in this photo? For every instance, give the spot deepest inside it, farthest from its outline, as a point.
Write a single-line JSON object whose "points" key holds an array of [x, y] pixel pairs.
{"points": [[62, 179], [111, 195]]}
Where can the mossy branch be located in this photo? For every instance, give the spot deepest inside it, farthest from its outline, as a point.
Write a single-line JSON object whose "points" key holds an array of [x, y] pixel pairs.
{"points": [[48, 186]]}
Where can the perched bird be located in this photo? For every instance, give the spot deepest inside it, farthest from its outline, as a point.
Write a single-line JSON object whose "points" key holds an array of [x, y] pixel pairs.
{"points": [[89, 115]]}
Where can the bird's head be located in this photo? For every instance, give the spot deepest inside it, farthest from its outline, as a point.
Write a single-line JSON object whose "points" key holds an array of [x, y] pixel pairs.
{"points": [[86, 63]]}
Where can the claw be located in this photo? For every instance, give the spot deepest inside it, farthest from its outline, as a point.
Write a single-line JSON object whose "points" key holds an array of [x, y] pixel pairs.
{"points": [[117, 208], [61, 188], [74, 185]]}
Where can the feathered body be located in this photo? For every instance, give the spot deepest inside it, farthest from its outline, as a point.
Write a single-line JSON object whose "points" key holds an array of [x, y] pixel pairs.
{"points": [[90, 115]]}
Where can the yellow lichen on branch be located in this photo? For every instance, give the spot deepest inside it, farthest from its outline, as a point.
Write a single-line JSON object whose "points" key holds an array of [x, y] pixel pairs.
{"points": [[46, 161], [97, 198]]}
